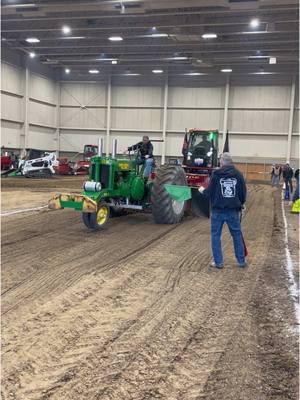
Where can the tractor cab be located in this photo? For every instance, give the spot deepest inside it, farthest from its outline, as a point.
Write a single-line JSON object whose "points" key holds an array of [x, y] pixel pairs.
{"points": [[89, 151], [200, 148]]}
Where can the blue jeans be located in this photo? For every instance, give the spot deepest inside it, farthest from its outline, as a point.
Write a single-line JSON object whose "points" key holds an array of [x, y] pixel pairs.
{"points": [[232, 219], [148, 167]]}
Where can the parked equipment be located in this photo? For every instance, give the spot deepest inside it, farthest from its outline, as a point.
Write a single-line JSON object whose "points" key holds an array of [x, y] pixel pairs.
{"points": [[116, 185], [81, 167], [37, 164]]}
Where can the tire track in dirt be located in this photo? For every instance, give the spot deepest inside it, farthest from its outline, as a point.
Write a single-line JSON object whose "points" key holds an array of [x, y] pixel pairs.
{"points": [[155, 324]]}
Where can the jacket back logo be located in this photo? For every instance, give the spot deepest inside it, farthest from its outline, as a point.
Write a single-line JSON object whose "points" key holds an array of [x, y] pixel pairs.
{"points": [[228, 187]]}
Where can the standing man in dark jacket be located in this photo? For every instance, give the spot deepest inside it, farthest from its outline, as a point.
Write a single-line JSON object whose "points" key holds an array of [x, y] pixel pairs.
{"points": [[146, 154], [287, 175], [227, 192]]}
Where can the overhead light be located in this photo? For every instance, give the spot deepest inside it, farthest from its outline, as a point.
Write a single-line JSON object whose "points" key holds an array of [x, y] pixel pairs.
{"points": [[131, 74], [94, 71], [157, 71], [254, 23], [209, 36], [199, 61], [32, 40], [67, 70], [194, 73], [272, 60], [226, 70], [115, 38], [159, 35], [154, 28], [72, 37], [66, 29], [32, 54], [114, 62], [176, 58]]}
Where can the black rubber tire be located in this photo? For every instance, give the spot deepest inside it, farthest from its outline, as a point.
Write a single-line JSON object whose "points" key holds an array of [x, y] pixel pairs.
{"points": [[161, 202], [90, 220]]}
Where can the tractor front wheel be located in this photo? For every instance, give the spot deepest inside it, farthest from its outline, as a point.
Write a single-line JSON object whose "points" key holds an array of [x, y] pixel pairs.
{"points": [[96, 220], [166, 210]]}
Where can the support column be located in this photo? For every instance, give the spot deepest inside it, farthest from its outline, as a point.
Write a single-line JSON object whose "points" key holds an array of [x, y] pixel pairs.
{"points": [[26, 110], [108, 117], [165, 112], [225, 119], [57, 119], [291, 119]]}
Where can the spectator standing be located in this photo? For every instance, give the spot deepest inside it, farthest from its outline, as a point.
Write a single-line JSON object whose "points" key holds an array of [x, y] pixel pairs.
{"points": [[275, 175], [287, 175]]}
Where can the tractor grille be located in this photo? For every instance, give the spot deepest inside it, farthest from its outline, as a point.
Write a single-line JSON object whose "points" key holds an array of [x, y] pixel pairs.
{"points": [[104, 176]]}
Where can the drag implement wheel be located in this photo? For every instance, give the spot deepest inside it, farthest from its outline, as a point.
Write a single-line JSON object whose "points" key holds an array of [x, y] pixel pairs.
{"points": [[96, 220], [164, 209]]}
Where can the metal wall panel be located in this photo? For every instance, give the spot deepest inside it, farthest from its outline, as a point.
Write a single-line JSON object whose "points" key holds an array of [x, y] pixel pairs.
{"points": [[82, 118], [136, 119], [40, 113], [295, 147], [258, 146], [259, 96], [43, 89], [196, 97], [178, 120], [258, 121], [41, 138], [10, 134], [83, 94], [75, 140], [11, 107], [296, 121], [12, 79], [144, 96]]}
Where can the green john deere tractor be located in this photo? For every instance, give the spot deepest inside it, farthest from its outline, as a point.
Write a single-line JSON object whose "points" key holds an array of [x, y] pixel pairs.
{"points": [[116, 185]]}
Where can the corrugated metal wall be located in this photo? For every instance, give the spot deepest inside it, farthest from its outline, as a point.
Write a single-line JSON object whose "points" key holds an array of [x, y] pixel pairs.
{"points": [[258, 114]]}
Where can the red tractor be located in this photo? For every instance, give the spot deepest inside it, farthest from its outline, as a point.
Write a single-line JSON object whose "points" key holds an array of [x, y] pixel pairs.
{"points": [[81, 167], [200, 158]]}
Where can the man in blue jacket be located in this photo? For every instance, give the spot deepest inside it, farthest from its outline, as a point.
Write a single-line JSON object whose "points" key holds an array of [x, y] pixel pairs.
{"points": [[227, 192]]}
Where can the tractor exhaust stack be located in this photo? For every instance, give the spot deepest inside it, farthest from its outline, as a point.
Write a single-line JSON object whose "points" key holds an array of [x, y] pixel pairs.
{"points": [[100, 147], [114, 148]]}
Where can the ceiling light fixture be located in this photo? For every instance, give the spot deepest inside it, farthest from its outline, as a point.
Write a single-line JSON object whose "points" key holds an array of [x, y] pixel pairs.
{"points": [[194, 73], [157, 71], [72, 37], [159, 35], [254, 23], [32, 54], [115, 38], [67, 70], [32, 40], [176, 58], [272, 60], [226, 70], [94, 71], [114, 62], [209, 36], [66, 29], [130, 74]]}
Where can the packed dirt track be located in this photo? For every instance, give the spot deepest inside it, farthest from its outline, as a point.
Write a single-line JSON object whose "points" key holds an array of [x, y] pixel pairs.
{"points": [[136, 312]]}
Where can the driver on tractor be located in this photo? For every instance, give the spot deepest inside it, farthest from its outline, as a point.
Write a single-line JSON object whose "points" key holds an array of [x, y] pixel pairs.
{"points": [[206, 144], [145, 149]]}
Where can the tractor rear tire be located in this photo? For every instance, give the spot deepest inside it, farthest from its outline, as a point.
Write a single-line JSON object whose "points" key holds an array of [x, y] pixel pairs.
{"points": [[164, 209]]}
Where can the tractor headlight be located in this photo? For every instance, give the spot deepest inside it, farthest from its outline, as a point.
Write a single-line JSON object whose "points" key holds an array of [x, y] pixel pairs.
{"points": [[209, 154]]}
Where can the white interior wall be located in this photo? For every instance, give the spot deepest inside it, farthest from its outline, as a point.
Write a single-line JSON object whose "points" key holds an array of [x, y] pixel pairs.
{"points": [[35, 127], [258, 114]]}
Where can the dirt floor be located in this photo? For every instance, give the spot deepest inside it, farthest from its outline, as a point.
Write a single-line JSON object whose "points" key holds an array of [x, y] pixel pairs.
{"points": [[136, 312]]}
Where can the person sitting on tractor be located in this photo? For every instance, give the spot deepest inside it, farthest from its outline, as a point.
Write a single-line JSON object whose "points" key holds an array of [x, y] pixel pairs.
{"points": [[145, 149], [206, 144]]}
